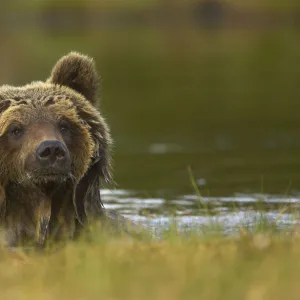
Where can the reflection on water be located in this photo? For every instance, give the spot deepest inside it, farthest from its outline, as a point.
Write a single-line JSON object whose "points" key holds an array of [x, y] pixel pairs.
{"points": [[225, 213]]}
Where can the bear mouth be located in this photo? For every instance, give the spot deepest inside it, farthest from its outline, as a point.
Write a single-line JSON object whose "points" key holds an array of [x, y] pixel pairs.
{"points": [[50, 177]]}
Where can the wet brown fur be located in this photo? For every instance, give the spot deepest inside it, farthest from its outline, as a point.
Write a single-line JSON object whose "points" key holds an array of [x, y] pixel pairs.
{"points": [[71, 92]]}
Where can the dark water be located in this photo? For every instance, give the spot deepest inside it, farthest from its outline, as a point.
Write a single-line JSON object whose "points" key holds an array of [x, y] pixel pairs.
{"points": [[224, 103], [230, 113]]}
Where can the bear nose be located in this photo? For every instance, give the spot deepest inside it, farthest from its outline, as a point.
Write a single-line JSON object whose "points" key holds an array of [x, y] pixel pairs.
{"points": [[51, 151]]}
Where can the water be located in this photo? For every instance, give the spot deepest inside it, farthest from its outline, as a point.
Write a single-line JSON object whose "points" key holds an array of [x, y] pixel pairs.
{"points": [[226, 213], [238, 187], [227, 110]]}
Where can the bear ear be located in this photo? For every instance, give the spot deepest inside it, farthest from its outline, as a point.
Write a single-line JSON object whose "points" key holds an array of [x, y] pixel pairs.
{"points": [[77, 72]]}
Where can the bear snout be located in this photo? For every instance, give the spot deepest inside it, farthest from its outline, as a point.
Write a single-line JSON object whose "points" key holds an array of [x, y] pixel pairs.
{"points": [[53, 157], [51, 151]]}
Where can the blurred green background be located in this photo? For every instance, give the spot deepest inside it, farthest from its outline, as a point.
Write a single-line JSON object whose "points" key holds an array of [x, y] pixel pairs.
{"points": [[209, 84]]}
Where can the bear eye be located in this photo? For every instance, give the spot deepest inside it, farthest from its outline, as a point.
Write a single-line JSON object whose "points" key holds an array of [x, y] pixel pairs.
{"points": [[64, 126], [16, 130]]}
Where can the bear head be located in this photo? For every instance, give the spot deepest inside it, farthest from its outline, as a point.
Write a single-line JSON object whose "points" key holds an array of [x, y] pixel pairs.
{"points": [[54, 144]]}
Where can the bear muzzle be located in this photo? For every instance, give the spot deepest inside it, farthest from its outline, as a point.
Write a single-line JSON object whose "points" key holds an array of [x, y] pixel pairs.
{"points": [[50, 163]]}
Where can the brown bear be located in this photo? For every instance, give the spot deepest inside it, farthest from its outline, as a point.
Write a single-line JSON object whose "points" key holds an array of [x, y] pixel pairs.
{"points": [[54, 152]]}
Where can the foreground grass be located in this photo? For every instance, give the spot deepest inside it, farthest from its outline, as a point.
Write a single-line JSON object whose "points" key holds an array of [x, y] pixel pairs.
{"points": [[260, 266]]}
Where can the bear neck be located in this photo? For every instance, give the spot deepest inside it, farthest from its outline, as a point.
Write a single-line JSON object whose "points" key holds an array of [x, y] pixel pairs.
{"points": [[33, 211], [33, 194]]}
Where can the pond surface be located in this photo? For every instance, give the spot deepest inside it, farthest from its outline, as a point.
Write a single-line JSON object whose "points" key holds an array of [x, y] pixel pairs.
{"points": [[201, 189], [219, 214], [217, 116]]}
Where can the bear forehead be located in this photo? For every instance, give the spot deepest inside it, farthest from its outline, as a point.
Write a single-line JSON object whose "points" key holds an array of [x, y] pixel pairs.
{"points": [[37, 94], [38, 101]]}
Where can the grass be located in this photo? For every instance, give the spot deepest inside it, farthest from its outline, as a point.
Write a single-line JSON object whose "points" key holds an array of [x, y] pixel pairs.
{"points": [[260, 262], [263, 265]]}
